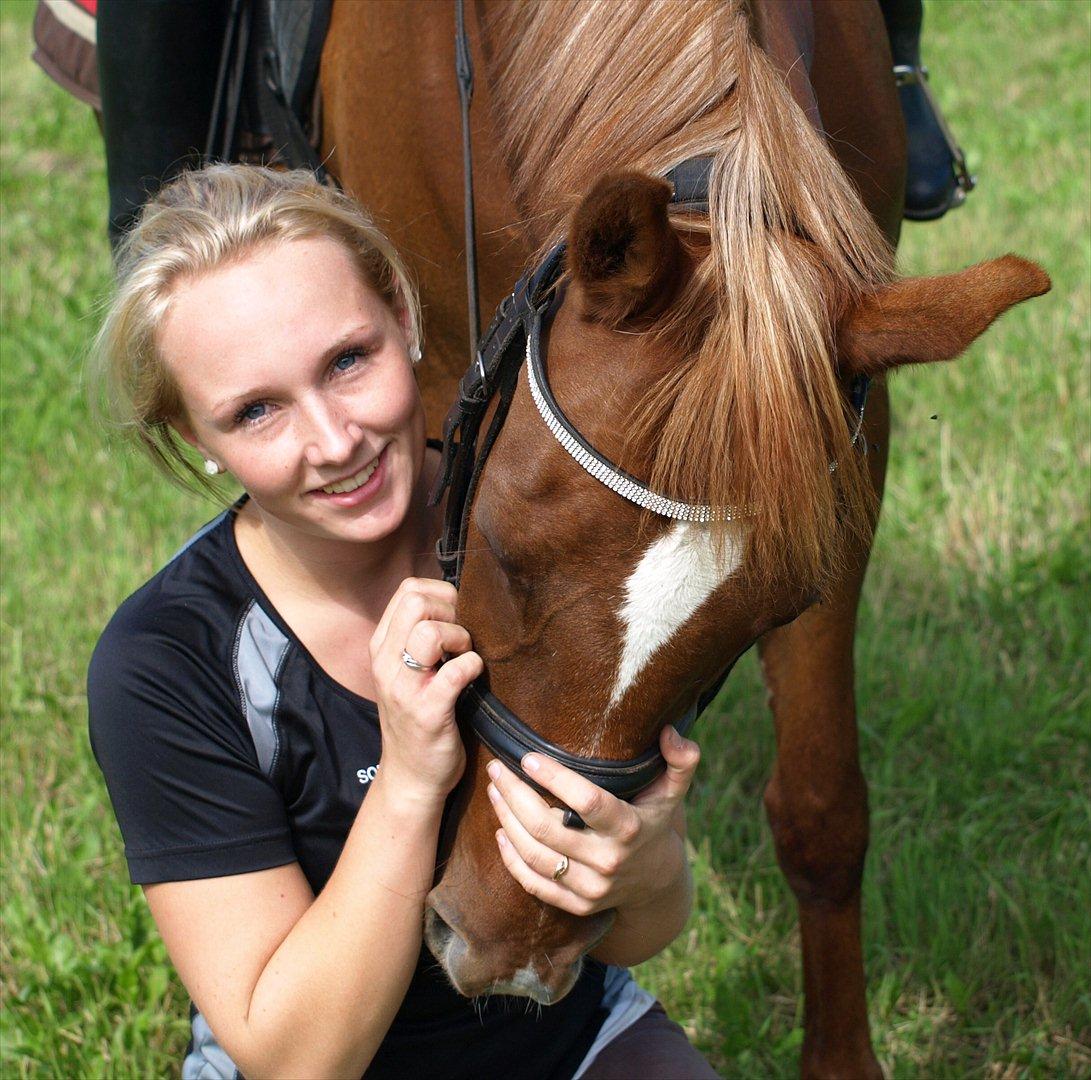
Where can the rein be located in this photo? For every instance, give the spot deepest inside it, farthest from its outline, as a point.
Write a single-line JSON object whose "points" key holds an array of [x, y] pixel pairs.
{"points": [[512, 340]]}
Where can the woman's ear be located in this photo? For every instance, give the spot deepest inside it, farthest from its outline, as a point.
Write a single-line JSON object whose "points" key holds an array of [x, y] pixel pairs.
{"points": [[184, 430], [625, 258], [185, 433]]}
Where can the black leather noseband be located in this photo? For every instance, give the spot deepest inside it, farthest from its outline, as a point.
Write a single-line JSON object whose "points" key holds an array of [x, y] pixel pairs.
{"points": [[509, 739]]}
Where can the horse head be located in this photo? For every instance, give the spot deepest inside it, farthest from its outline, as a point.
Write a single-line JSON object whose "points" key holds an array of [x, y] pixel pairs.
{"points": [[600, 621]]}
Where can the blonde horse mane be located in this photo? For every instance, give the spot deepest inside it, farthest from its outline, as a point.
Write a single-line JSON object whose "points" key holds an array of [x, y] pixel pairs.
{"points": [[754, 416]]}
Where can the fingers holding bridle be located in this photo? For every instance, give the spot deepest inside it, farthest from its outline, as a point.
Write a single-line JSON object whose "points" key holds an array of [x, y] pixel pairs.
{"points": [[531, 816], [416, 632], [456, 674], [411, 605], [430, 640], [598, 809], [415, 599], [444, 664], [682, 757], [432, 691]]}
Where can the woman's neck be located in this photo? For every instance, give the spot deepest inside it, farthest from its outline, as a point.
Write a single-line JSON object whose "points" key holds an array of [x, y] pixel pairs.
{"points": [[349, 574]]}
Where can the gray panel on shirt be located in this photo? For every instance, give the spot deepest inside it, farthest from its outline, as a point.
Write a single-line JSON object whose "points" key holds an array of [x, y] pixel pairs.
{"points": [[260, 648]]}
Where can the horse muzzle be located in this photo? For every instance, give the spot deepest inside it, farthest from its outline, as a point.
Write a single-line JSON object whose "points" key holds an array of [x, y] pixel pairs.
{"points": [[508, 967]]}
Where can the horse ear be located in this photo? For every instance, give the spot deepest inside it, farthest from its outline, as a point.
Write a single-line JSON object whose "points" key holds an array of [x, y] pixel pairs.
{"points": [[922, 320], [622, 252]]}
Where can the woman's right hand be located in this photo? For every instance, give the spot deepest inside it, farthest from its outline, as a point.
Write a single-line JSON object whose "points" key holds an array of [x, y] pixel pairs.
{"points": [[422, 753]]}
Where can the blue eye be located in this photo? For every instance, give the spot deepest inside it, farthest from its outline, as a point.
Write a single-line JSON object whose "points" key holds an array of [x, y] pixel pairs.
{"points": [[346, 362], [250, 414]]}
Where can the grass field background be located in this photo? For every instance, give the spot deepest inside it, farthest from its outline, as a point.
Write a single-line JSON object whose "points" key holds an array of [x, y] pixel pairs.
{"points": [[973, 650]]}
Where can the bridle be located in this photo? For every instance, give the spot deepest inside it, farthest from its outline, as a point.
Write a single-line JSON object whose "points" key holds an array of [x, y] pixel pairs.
{"points": [[511, 343], [515, 334]]}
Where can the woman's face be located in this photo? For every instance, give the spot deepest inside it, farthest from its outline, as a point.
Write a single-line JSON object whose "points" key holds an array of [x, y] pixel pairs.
{"points": [[296, 378]]}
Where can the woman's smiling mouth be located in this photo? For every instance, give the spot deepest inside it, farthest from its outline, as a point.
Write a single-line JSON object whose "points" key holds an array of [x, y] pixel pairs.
{"points": [[354, 489]]}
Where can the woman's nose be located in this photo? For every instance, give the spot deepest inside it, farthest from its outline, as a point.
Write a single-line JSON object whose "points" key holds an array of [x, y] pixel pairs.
{"points": [[331, 436]]}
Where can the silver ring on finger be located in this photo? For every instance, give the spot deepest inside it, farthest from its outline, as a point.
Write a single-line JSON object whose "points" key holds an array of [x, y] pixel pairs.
{"points": [[413, 663], [562, 868]]}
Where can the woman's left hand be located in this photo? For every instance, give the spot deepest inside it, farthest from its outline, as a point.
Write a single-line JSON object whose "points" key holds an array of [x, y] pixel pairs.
{"points": [[628, 854]]}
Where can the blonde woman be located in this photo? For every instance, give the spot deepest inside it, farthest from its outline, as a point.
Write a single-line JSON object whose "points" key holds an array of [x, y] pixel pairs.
{"points": [[269, 710]]}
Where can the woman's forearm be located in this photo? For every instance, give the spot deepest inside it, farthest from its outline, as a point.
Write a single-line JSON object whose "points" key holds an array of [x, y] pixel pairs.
{"points": [[647, 927], [643, 930], [328, 994]]}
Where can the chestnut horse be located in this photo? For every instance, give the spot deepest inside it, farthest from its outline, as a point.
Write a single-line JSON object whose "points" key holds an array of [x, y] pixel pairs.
{"points": [[708, 355]]}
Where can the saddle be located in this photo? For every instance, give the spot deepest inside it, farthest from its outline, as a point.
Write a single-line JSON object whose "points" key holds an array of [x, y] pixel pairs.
{"points": [[266, 106]]}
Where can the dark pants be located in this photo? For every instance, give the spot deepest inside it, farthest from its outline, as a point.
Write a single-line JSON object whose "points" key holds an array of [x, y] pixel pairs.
{"points": [[158, 61], [654, 1048]]}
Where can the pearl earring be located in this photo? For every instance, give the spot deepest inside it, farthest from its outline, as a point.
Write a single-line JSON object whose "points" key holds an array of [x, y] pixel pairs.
{"points": [[414, 354], [213, 468]]}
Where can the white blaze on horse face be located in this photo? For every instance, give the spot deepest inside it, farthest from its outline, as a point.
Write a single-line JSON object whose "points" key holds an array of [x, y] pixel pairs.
{"points": [[677, 573]]}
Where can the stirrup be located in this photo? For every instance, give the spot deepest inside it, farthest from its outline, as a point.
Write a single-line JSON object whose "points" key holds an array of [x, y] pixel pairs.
{"points": [[938, 178]]}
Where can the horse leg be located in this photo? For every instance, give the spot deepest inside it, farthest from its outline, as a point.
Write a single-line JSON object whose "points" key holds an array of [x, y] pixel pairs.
{"points": [[817, 804], [816, 798]]}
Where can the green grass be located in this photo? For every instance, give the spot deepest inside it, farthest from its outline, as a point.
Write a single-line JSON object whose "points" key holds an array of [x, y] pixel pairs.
{"points": [[973, 651]]}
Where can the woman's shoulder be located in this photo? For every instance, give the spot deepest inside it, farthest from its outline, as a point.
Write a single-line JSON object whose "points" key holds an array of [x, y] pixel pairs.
{"points": [[166, 668], [182, 620], [168, 726]]}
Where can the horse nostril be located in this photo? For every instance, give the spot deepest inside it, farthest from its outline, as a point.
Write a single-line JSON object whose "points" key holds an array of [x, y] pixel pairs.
{"points": [[436, 932]]}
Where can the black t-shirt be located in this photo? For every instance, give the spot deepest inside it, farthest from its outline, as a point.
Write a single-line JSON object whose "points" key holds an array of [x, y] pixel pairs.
{"points": [[227, 749]]}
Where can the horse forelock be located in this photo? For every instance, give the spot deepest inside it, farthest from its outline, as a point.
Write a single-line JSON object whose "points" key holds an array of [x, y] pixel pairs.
{"points": [[754, 415]]}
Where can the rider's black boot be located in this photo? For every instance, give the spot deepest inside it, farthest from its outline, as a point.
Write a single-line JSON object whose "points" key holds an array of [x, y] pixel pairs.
{"points": [[158, 61], [937, 179]]}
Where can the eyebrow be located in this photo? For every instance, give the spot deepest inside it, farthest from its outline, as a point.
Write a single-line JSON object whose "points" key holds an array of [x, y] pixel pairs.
{"points": [[236, 401]]}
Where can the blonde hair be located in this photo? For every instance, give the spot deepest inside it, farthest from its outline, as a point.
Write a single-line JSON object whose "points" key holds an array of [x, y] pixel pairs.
{"points": [[201, 221]]}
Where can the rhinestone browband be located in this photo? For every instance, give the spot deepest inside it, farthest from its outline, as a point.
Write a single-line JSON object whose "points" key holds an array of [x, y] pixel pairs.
{"points": [[601, 470]]}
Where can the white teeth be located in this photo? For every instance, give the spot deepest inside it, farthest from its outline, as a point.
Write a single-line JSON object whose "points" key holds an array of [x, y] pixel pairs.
{"points": [[353, 482]]}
